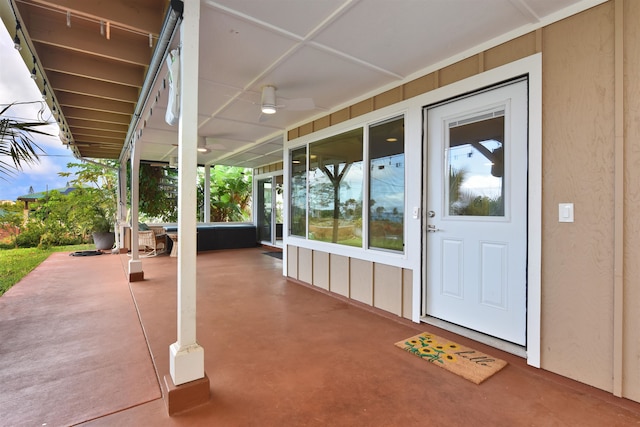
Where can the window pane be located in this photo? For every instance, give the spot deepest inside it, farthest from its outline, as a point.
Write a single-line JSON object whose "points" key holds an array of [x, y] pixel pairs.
{"points": [[475, 162], [298, 214], [386, 185], [264, 210], [335, 189]]}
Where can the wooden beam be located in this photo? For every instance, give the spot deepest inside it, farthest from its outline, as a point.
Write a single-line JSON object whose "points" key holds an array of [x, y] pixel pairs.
{"points": [[104, 142], [104, 136], [78, 64], [99, 153], [81, 85], [143, 16], [51, 29], [98, 116], [93, 103], [90, 124]]}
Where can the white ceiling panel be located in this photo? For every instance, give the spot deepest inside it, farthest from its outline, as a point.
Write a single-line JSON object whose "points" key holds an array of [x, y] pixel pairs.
{"points": [[332, 51], [234, 51], [294, 16]]}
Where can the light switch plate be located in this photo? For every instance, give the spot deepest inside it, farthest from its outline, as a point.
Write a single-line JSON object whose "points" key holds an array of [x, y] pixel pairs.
{"points": [[565, 212]]}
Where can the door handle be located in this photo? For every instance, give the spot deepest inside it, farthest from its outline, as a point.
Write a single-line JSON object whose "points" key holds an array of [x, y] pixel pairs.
{"points": [[432, 229]]}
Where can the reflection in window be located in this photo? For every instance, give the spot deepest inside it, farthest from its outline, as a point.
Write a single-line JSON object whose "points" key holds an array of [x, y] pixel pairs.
{"points": [[386, 185], [298, 211], [475, 165], [335, 189]]}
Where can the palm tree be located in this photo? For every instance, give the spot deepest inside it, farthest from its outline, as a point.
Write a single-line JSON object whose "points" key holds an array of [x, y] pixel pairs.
{"points": [[16, 142]]}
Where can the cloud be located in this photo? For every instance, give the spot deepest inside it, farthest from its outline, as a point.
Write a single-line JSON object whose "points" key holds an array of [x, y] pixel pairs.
{"points": [[16, 85]]}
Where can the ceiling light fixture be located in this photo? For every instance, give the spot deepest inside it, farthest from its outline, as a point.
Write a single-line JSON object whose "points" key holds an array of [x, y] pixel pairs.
{"points": [[268, 104], [34, 76], [16, 39], [202, 145]]}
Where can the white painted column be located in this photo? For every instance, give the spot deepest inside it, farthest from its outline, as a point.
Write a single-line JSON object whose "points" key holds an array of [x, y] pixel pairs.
{"points": [[207, 194], [186, 358], [122, 205], [135, 264]]}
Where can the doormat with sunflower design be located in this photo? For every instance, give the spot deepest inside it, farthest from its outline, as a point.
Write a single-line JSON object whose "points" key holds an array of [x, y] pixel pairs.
{"points": [[463, 361]]}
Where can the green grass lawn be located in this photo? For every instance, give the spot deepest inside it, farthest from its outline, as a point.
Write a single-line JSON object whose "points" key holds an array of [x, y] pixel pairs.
{"points": [[17, 263]]}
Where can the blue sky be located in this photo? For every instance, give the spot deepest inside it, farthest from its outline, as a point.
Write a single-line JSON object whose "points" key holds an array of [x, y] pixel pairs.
{"points": [[16, 85]]}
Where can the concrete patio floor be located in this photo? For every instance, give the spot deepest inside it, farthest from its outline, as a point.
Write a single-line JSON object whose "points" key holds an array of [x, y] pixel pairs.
{"points": [[80, 345]]}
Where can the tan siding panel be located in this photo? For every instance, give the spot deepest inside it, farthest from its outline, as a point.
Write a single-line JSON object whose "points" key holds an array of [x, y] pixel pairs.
{"points": [[387, 288], [510, 51], [340, 116], [578, 136], [321, 123], [292, 261], [339, 274], [361, 281], [387, 98], [362, 107], [305, 129], [321, 269], [305, 265], [407, 294], [419, 86], [631, 367], [459, 71], [293, 134]]}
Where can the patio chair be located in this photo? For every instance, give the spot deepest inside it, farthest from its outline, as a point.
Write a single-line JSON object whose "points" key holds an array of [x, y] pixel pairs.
{"points": [[152, 242]]}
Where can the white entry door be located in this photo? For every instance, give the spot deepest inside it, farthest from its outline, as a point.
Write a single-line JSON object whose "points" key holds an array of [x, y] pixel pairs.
{"points": [[476, 212]]}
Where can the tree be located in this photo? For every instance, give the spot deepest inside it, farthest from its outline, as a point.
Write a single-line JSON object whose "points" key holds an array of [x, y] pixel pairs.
{"points": [[16, 142], [158, 198], [230, 194], [97, 202]]}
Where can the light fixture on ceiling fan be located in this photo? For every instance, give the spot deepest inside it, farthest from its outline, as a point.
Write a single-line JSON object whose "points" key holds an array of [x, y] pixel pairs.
{"points": [[202, 145], [268, 104]]}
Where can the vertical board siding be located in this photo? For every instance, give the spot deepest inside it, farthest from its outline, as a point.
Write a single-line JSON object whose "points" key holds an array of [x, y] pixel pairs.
{"points": [[339, 274], [292, 261], [387, 288], [321, 269], [361, 281], [631, 320], [305, 265]]}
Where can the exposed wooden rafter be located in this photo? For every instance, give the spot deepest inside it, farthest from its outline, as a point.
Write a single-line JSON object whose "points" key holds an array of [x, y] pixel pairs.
{"points": [[94, 55]]}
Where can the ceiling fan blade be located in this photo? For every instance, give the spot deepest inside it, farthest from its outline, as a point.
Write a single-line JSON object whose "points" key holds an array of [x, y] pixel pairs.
{"points": [[300, 104], [264, 117]]}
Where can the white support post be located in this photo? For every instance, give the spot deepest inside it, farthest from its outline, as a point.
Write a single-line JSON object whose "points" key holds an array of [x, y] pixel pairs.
{"points": [[186, 356], [135, 264], [122, 205], [207, 194]]}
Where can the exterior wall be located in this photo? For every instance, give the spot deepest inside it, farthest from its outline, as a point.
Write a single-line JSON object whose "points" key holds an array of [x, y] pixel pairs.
{"points": [[631, 274], [375, 284], [578, 167], [589, 327]]}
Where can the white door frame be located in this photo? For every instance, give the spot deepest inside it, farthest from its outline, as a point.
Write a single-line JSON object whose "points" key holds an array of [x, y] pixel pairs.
{"points": [[499, 274], [532, 67]]}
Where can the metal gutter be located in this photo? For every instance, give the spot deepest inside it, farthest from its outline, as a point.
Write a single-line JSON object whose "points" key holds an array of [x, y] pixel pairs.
{"points": [[169, 29]]}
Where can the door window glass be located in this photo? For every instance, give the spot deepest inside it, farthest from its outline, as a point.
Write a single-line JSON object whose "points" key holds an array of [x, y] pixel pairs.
{"points": [[475, 166]]}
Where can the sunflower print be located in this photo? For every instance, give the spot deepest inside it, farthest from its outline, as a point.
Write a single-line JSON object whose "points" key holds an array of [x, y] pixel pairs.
{"points": [[427, 347]]}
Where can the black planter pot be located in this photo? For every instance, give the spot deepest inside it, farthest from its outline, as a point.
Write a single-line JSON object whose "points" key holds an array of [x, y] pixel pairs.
{"points": [[104, 240]]}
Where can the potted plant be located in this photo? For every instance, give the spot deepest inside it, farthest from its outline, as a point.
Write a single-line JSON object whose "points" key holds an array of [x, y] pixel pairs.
{"points": [[95, 202], [102, 229]]}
